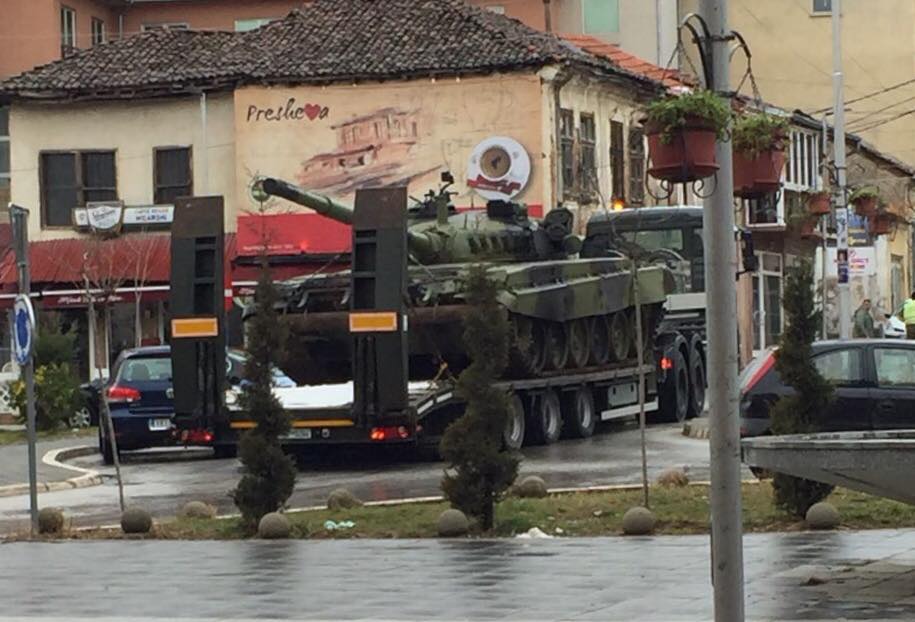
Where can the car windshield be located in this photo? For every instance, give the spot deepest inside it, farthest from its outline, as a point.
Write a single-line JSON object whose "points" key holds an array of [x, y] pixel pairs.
{"points": [[679, 248], [144, 369]]}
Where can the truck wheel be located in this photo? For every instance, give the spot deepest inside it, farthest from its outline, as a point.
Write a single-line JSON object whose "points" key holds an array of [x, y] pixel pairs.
{"points": [[620, 337], [557, 345], [513, 436], [600, 341], [546, 418], [578, 413], [675, 392], [696, 384], [579, 342]]}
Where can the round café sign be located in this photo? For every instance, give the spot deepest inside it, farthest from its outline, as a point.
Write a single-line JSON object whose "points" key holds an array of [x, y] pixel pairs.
{"points": [[499, 168]]}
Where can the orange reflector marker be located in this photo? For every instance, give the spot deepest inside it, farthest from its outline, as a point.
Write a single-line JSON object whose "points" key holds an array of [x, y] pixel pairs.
{"points": [[195, 327], [373, 322]]}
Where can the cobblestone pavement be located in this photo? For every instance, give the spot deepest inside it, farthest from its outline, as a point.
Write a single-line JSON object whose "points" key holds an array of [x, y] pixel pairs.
{"points": [[798, 576]]}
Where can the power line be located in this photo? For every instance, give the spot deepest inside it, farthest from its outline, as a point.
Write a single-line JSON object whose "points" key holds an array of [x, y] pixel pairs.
{"points": [[881, 110], [869, 95], [885, 121]]}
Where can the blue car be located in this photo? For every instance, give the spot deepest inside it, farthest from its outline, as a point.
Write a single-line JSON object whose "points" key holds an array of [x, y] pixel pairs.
{"points": [[140, 398]]}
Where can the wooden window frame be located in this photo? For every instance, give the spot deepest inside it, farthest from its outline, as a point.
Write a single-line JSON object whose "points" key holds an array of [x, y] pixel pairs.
{"points": [[587, 145], [190, 169], [67, 47], [617, 153], [98, 31], [80, 180], [637, 157], [567, 163]]}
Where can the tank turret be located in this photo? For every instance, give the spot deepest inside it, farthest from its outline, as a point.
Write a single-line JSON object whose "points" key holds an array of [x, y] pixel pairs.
{"points": [[438, 234]]}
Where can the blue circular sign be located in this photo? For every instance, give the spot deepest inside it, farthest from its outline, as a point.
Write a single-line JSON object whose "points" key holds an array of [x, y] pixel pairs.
{"points": [[24, 329]]}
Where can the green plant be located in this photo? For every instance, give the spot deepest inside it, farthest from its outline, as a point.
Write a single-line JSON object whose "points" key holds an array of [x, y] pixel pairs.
{"points": [[758, 132], [269, 474], [864, 193], [671, 113], [57, 396], [796, 413], [481, 470]]}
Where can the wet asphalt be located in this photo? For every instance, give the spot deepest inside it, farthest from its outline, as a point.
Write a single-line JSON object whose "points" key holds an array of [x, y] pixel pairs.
{"points": [[162, 481]]}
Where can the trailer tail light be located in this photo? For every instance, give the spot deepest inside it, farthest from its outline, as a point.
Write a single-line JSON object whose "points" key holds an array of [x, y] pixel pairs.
{"points": [[122, 395], [667, 363], [197, 437], [390, 433]]}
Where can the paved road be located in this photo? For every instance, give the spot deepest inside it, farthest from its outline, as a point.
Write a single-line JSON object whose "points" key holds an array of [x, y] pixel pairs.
{"points": [[160, 483], [14, 461], [800, 576]]}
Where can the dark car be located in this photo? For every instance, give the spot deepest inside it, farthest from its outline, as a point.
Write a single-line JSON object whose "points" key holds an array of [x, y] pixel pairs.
{"points": [[874, 382]]}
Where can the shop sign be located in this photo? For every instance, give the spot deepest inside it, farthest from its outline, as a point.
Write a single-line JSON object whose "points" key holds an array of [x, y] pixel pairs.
{"points": [[109, 217], [499, 168]]}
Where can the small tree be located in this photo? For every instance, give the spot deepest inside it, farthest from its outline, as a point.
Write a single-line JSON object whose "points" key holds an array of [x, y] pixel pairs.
{"points": [[796, 413], [481, 470], [269, 474]]}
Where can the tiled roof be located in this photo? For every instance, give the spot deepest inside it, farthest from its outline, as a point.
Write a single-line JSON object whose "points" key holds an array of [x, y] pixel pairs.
{"points": [[325, 41], [629, 62]]}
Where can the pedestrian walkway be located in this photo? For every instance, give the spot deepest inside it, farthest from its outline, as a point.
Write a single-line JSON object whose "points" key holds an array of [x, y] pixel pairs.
{"points": [[797, 576]]}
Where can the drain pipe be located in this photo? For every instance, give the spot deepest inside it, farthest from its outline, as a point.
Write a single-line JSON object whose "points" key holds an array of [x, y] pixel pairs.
{"points": [[204, 146], [547, 16]]}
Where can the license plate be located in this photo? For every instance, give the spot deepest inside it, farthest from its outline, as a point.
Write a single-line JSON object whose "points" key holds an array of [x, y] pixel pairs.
{"points": [[299, 434], [158, 425]]}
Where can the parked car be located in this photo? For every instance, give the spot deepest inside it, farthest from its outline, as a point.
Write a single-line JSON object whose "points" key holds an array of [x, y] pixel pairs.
{"points": [[874, 382], [893, 327], [140, 397]]}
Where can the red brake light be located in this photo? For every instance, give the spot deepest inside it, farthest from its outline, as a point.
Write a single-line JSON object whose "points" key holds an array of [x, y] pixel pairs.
{"points": [[390, 433], [667, 363], [119, 394], [197, 436]]}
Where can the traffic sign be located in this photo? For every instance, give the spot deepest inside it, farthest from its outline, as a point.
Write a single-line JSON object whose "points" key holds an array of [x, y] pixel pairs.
{"points": [[24, 333]]}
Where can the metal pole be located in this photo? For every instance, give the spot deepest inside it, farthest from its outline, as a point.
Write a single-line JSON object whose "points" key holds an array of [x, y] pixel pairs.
{"points": [[721, 314], [824, 230], [839, 146], [640, 353], [20, 218]]}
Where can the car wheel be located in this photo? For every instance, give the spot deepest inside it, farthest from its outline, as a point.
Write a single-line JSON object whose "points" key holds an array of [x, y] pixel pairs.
{"points": [[104, 448], [80, 419]]}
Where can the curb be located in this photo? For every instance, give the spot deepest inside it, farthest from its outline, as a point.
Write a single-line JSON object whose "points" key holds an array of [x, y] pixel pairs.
{"points": [[54, 458], [696, 428]]}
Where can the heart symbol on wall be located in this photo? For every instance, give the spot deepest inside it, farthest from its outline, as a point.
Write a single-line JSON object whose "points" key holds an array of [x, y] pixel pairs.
{"points": [[312, 111]]}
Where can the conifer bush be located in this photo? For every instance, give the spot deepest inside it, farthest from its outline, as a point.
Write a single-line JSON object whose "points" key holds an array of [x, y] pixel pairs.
{"points": [[797, 413], [480, 471]]}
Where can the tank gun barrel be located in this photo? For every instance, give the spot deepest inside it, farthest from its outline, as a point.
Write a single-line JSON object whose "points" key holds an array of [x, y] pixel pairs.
{"points": [[318, 202]]}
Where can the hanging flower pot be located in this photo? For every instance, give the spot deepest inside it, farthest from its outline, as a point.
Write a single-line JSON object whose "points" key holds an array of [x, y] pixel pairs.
{"points": [[681, 134], [808, 229], [800, 222], [866, 201], [759, 154], [881, 223], [818, 204]]}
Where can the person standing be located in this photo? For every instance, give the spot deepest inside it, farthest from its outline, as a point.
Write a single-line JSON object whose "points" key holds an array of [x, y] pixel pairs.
{"points": [[908, 316], [863, 321]]}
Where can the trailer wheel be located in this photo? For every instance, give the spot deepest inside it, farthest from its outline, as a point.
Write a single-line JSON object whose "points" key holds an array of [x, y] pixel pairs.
{"points": [[513, 436], [578, 412], [546, 418], [600, 340], [696, 383], [579, 342], [557, 345], [620, 336], [675, 392]]}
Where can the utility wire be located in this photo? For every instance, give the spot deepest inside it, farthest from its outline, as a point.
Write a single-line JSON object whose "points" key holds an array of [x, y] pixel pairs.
{"points": [[893, 87]]}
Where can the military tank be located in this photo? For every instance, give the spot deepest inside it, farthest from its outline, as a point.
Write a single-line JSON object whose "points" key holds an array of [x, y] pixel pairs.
{"points": [[565, 312]]}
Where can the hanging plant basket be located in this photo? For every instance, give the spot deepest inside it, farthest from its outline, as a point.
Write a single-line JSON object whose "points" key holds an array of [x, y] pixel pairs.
{"points": [[881, 224], [808, 229], [681, 134], [818, 204], [866, 202], [759, 154]]}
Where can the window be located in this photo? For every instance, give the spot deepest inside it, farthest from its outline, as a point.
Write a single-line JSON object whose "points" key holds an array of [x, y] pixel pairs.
{"points": [[4, 155], [172, 175], [822, 6], [636, 166], [165, 26], [895, 366], [617, 161], [244, 25], [145, 369], [840, 366], [72, 178], [98, 31], [567, 147], [67, 31], [802, 171], [763, 210], [588, 177], [600, 16]]}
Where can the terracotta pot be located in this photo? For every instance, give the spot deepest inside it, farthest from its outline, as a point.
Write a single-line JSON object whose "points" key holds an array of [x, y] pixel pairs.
{"points": [[759, 176], [880, 224], [818, 204], [866, 206], [808, 229], [690, 154]]}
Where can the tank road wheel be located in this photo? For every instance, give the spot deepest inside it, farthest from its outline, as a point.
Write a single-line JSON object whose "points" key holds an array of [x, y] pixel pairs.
{"points": [[528, 351], [578, 413], [620, 336], [557, 345], [674, 396], [513, 436], [545, 423], [579, 332], [600, 340]]}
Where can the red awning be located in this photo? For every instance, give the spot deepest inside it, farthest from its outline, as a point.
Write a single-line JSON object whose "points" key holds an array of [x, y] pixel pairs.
{"points": [[292, 234]]}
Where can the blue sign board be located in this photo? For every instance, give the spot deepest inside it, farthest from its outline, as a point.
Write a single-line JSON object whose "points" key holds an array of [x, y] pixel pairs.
{"points": [[23, 329]]}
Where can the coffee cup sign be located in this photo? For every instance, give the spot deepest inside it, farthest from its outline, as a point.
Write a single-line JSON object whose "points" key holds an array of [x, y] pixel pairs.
{"points": [[499, 168]]}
